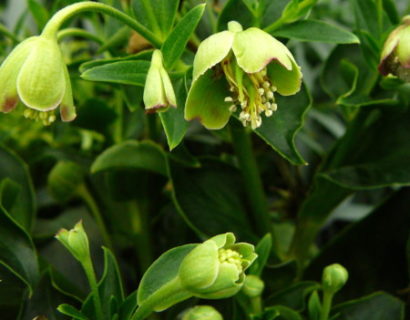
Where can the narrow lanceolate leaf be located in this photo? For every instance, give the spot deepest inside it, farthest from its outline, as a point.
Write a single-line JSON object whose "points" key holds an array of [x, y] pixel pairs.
{"points": [[157, 15], [313, 30], [143, 155], [17, 251], [124, 72], [174, 46], [279, 131]]}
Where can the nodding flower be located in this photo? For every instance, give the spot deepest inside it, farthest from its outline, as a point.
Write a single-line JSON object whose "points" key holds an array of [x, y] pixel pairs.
{"points": [[240, 71], [35, 74]]}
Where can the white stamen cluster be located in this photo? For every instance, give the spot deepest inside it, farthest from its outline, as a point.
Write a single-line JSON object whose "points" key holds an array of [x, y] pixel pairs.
{"points": [[230, 256], [253, 97], [46, 117]]}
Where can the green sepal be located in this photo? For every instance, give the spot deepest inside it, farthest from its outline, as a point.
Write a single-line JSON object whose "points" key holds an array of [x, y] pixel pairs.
{"points": [[212, 51], [67, 108], [41, 80], [199, 269], [254, 49], [205, 101], [9, 71], [287, 82]]}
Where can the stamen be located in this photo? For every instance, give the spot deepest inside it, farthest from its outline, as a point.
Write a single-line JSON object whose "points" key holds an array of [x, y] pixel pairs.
{"points": [[233, 108], [228, 99]]}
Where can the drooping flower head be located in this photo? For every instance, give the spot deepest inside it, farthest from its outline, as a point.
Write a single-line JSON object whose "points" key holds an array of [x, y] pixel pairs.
{"points": [[395, 56], [240, 70], [35, 74]]}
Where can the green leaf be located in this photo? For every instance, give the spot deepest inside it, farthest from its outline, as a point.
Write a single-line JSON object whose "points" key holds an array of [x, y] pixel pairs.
{"points": [[294, 296], [163, 270], [377, 306], [211, 198], [43, 302], [314, 306], [279, 131], [314, 30], [144, 155], [173, 120], [235, 10], [124, 72], [174, 46], [360, 163], [71, 311], [386, 229], [23, 208], [366, 16], [263, 249], [156, 15], [39, 12], [109, 287], [17, 251], [285, 313]]}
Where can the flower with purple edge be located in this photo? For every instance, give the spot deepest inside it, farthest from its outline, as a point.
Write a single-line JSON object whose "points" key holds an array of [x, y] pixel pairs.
{"points": [[395, 56], [35, 74], [240, 70]]}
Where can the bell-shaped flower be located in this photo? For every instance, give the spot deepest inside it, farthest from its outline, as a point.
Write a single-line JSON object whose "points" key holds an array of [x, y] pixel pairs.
{"points": [[216, 268], [240, 71], [158, 91], [35, 74], [395, 57]]}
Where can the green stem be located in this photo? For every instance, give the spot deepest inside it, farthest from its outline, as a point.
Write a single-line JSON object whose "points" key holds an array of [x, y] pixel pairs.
{"points": [[55, 23], [326, 305], [92, 280], [77, 32], [168, 295], [242, 144], [141, 234], [256, 304], [95, 211]]}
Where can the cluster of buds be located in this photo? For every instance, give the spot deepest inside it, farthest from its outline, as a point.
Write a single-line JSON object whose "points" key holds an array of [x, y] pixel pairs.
{"points": [[242, 70]]}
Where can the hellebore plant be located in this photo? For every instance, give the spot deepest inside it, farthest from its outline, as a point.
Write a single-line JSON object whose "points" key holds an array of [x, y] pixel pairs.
{"points": [[214, 269], [240, 70], [395, 57]]}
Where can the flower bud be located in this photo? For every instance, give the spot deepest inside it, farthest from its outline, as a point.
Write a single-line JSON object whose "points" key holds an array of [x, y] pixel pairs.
{"points": [[76, 241], [35, 73], [158, 91], [216, 268], [334, 278], [253, 286], [202, 313], [64, 180], [395, 57]]}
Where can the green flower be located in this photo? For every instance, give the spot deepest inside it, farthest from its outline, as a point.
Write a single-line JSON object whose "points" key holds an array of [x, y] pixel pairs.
{"points": [[216, 268], [253, 286], [158, 91], [35, 74], [334, 277], [395, 57], [76, 241], [202, 313], [240, 70]]}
